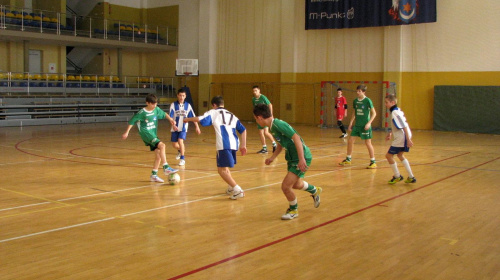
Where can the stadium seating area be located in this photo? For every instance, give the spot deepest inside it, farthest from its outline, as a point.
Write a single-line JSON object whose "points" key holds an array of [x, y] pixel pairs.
{"points": [[29, 84], [63, 24]]}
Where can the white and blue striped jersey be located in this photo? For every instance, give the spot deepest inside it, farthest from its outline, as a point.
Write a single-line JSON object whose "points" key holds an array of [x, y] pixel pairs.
{"points": [[398, 123], [180, 111], [225, 124]]}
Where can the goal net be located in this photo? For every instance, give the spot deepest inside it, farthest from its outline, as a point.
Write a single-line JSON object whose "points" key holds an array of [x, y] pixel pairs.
{"points": [[376, 92]]}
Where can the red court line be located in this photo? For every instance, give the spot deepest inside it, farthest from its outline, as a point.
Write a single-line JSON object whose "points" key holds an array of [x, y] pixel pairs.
{"points": [[321, 225]]}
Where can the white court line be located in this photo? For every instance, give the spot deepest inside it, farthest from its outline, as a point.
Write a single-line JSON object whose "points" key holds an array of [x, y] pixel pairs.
{"points": [[158, 208], [23, 206], [56, 229], [144, 211]]}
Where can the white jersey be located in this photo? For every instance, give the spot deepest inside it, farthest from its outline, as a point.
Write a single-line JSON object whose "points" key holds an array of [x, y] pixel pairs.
{"points": [[225, 124], [398, 123], [178, 112]]}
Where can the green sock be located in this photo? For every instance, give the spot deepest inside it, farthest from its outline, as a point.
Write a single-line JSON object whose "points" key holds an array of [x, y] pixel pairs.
{"points": [[165, 166], [311, 189], [154, 172], [294, 207]]}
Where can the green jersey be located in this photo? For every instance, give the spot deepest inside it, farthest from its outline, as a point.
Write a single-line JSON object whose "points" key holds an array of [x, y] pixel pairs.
{"points": [[283, 133], [362, 109], [261, 100], [147, 123]]}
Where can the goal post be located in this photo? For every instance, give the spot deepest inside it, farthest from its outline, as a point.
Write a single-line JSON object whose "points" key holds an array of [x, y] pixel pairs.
{"points": [[376, 91]]}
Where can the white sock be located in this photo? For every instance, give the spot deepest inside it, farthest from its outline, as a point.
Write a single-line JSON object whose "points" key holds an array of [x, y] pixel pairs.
{"points": [[406, 164], [230, 188], [395, 170], [306, 185], [293, 202]]}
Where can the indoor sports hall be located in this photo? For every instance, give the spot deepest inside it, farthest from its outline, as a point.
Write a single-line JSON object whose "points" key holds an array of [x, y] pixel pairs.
{"points": [[77, 200]]}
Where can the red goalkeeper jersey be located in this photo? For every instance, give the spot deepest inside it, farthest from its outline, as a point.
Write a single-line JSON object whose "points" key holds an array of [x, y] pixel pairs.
{"points": [[340, 105]]}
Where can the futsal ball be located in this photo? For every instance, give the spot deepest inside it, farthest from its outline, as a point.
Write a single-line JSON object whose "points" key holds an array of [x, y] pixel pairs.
{"points": [[174, 179]]}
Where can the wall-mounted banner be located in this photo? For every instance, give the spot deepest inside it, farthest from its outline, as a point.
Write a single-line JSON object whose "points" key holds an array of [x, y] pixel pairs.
{"points": [[338, 14]]}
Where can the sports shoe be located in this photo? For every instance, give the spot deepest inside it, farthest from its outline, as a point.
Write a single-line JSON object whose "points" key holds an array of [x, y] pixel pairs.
{"points": [[345, 162], [315, 197], [155, 178], [274, 148], [236, 194], [178, 156], [169, 170], [263, 151], [372, 165], [344, 135], [394, 180], [290, 214], [229, 191], [182, 162], [410, 180]]}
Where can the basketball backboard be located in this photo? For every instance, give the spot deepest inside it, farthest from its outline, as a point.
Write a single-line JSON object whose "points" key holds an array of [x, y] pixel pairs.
{"points": [[186, 67]]}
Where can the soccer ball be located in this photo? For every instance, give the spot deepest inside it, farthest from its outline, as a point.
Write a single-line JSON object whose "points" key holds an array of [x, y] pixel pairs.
{"points": [[174, 179]]}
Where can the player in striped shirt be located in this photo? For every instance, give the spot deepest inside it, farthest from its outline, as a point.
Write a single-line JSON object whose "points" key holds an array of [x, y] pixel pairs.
{"points": [[225, 124], [178, 111], [401, 143], [147, 123]]}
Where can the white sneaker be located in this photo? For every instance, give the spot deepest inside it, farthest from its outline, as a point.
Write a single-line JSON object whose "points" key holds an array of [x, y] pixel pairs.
{"points": [[178, 156], [237, 193], [290, 214], [155, 178], [169, 170], [229, 191], [316, 198], [182, 162]]}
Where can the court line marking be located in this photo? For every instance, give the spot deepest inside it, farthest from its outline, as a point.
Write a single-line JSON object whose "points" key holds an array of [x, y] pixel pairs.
{"points": [[201, 199], [56, 229], [320, 225]]}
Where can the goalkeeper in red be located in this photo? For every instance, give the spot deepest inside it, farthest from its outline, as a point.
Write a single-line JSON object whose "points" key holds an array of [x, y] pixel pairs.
{"points": [[341, 111], [147, 123], [297, 155], [401, 143]]}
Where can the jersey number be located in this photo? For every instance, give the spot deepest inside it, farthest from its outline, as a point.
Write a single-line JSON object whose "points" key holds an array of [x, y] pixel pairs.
{"points": [[224, 118]]}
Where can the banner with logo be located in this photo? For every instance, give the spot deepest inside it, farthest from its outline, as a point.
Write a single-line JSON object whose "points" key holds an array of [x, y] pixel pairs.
{"points": [[338, 14]]}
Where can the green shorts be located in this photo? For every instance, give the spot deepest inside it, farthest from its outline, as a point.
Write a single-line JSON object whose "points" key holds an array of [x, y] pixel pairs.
{"points": [[361, 132], [153, 144], [292, 167]]}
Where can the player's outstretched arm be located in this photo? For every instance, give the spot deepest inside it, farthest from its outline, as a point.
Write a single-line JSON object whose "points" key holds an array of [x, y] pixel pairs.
{"points": [[408, 139], [243, 143], [300, 152], [125, 135], [193, 119]]}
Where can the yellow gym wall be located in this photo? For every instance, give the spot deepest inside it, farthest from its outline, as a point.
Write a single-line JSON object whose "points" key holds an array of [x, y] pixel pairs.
{"points": [[123, 13], [461, 48]]}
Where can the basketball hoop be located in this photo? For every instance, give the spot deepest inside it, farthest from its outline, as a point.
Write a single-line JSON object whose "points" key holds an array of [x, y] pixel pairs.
{"points": [[188, 77]]}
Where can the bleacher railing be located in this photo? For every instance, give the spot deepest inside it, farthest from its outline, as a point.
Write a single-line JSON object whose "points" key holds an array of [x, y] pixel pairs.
{"points": [[29, 84], [43, 21]]}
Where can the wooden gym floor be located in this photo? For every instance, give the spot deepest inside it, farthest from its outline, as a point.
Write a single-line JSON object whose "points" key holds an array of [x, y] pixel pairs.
{"points": [[76, 203]]}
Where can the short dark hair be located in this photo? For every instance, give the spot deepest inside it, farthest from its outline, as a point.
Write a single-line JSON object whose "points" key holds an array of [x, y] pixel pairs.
{"points": [[362, 87], [391, 97], [256, 86], [151, 98], [262, 110], [339, 89], [181, 90], [218, 100]]}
